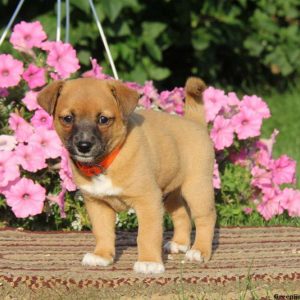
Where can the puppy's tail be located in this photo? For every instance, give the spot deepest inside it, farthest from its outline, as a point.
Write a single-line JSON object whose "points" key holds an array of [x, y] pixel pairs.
{"points": [[194, 106]]}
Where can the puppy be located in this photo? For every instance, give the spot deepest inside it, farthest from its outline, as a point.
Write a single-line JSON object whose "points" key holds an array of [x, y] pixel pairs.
{"points": [[145, 160]]}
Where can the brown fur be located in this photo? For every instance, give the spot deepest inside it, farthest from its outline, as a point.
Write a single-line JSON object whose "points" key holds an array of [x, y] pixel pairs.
{"points": [[162, 156]]}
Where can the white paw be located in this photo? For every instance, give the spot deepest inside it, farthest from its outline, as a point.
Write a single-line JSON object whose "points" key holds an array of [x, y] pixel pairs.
{"points": [[91, 259], [146, 267], [173, 247], [193, 255]]}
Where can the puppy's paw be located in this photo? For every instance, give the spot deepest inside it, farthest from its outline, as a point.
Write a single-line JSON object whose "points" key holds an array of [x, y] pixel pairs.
{"points": [[147, 267], [193, 255], [91, 259], [173, 247]]}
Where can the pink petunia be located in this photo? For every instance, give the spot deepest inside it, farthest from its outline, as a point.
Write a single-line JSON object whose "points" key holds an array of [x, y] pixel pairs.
{"points": [[284, 170], [261, 178], [27, 35], [7, 142], [256, 105], [60, 200], [3, 92], [246, 124], [62, 57], [269, 208], [26, 198], [10, 71], [22, 129], [221, 133], [96, 71], [30, 157], [65, 172], [263, 155], [48, 140], [216, 176], [214, 101], [290, 200], [248, 210], [242, 158], [42, 119], [172, 101], [34, 76], [9, 169], [30, 100]]}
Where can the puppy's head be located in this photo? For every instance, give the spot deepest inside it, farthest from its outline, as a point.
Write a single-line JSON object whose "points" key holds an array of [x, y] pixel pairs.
{"points": [[90, 115]]}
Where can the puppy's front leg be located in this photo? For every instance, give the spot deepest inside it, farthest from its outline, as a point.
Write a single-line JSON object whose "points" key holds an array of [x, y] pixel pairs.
{"points": [[149, 212], [102, 217]]}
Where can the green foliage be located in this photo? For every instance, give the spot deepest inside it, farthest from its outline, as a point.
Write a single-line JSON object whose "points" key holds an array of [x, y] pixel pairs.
{"points": [[236, 184], [236, 44]]}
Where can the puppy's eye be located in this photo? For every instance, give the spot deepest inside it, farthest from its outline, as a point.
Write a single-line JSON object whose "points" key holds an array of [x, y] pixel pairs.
{"points": [[103, 120], [68, 119]]}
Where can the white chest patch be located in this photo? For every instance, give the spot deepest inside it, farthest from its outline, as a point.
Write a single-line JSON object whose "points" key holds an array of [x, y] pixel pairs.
{"points": [[101, 185]]}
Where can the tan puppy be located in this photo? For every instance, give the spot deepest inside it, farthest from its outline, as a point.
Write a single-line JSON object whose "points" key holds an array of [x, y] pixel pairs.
{"points": [[146, 160]]}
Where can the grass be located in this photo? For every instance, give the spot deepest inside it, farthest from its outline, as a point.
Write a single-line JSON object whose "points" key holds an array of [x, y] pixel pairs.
{"points": [[285, 110]]}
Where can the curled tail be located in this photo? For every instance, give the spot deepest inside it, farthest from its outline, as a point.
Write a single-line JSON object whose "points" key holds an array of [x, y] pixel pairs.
{"points": [[194, 106]]}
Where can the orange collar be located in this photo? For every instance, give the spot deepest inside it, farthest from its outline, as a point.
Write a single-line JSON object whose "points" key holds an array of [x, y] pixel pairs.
{"points": [[101, 167]]}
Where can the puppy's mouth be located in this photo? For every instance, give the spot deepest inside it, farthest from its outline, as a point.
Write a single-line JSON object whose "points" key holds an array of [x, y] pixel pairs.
{"points": [[85, 159]]}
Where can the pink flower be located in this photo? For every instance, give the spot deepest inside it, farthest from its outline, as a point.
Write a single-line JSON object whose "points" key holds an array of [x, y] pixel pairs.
{"points": [[31, 158], [42, 119], [48, 141], [284, 170], [242, 157], [65, 172], [149, 93], [30, 100], [248, 210], [27, 35], [214, 101], [216, 176], [257, 105], [3, 92], [22, 129], [59, 199], [290, 200], [221, 133], [264, 150], [96, 71], [7, 142], [269, 208], [62, 57], [246, 124], [172, 101], [34, 76], [26, 198], [9, 169], [10, 71], [262, 178]]}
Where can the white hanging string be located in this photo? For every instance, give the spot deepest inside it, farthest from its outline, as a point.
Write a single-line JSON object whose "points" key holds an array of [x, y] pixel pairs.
{"points": [[58, 20], [3, 36], [67, 35], [104, 40]]}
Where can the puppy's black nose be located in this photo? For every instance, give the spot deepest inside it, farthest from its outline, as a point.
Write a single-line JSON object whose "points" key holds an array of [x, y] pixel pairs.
{"points": [[84, 146]]}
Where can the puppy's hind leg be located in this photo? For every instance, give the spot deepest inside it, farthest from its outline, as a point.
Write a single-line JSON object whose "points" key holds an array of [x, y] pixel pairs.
{"points": [[179, 212], [199, 195]]}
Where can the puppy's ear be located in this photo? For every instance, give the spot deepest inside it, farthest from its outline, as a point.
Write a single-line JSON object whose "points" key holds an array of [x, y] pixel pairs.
{"points": [[48, 96], [126, 98]]}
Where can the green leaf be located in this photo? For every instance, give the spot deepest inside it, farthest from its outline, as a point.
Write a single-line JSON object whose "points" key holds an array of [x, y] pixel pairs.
{"points": [[112, 8], [151, 30], [158, 73], [153, 50], [82, 5]]}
